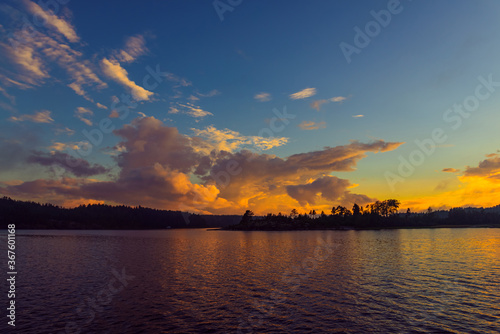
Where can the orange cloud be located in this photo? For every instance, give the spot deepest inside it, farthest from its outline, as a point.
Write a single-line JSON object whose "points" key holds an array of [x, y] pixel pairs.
{"points": [[161, 168]]}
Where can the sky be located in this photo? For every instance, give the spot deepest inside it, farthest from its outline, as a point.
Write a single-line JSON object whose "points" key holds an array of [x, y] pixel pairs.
{"points": [[221, 106]]}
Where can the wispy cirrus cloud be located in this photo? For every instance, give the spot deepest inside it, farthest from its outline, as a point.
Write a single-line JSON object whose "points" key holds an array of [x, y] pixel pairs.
{"points": [[33, 55], [450, 170], [358, 116], [38, 117], [81, 113], [318, 103], [113, 70], [58, 146], [213, 92], [262, 97], [135, 46], [303, 94], [230, 141], [67, 131], [62, 26], [310, 125], [191, 110]]}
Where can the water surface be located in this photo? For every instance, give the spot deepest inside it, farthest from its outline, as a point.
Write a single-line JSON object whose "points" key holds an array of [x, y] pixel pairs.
{"points": [[198, 281]]}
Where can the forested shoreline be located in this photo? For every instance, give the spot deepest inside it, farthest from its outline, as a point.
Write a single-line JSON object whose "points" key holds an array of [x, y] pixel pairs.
{"points": [[378, 215], [381, 214], [32, 215]]}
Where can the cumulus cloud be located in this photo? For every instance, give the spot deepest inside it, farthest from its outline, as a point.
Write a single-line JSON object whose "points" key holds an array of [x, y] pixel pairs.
{"points": [[330, 188], [262, 97], [209, 172], [80, 113], [38, 117], [305, 93], [113, 70], [318, 103], [489, 167], [310, 125]]}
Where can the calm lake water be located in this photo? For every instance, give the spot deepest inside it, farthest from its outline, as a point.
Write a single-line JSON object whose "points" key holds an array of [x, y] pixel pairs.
{"points": [[198, 281]]}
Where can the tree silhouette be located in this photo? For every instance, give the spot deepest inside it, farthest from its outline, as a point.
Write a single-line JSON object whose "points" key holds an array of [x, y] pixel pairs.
{"points": [[356, 210]]}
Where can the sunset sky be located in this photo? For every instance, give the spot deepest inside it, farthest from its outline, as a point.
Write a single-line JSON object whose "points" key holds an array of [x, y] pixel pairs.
{"points": [[218, 107]]}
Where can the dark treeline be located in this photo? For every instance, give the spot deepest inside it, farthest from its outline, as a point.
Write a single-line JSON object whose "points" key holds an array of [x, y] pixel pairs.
{"points": [[31, 215], [381, 214]]}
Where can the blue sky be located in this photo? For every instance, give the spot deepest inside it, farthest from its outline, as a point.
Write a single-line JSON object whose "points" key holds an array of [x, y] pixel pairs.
{"points": [[221, 81]]}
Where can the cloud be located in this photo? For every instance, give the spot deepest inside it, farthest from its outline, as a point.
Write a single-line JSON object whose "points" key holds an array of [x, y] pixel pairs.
{"points": [[38, 117], [330, 188], [80, 113], [213, 92], [114, 114], [210, 172], [180, 82], [489, 167], [193, 98], [173, 110], [451, 170], [66, 131], [48, 17], [310, 125], [318, 103], [135, 46], [101, 106], [262, 97], [358, 116], [230, 141], [305, 93], [193, 110], [114, 71], [77, 166], [32, 55], [63, 146]]}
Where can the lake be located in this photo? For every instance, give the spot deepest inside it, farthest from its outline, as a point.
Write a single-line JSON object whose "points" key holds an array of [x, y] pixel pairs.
{"points": [[199, 281]]}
